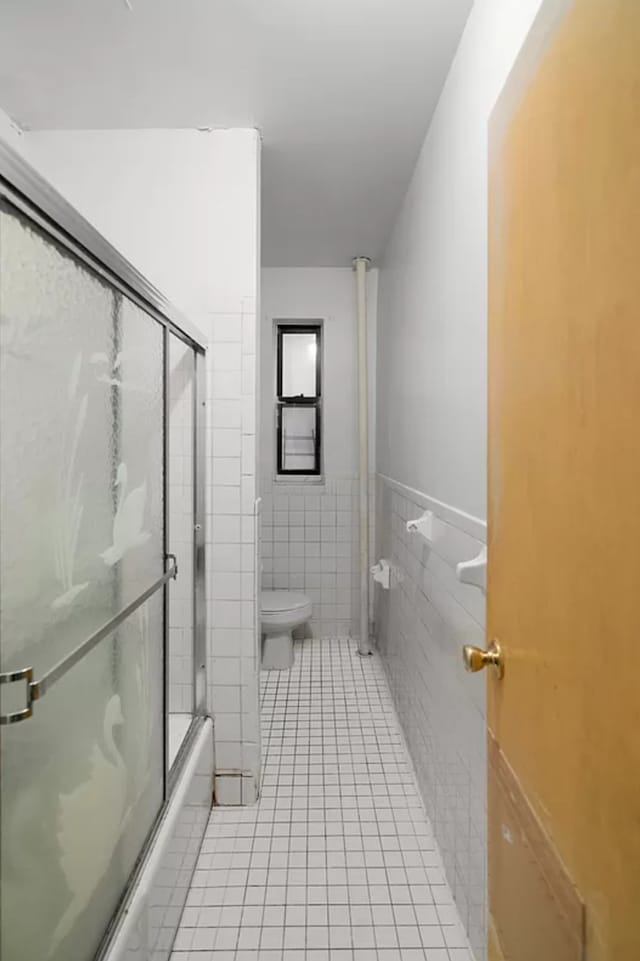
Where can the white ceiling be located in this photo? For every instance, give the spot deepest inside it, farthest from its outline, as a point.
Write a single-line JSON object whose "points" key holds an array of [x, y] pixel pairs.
{"points": [[342, 91]]}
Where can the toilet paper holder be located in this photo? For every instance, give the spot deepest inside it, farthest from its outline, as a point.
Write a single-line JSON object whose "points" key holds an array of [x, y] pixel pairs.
{"points": [[425, 525], [381, 573]]}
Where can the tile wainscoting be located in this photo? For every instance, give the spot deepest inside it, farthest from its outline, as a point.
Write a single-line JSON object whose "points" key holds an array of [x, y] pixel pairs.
{"points": [[421, 625], [310, 543]]}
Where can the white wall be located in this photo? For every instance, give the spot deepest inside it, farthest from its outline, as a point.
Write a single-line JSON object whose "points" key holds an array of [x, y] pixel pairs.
{"points": [[431, 417], [327, 294], [433, 279], [310, 532], [183, 207], [179, 204]]}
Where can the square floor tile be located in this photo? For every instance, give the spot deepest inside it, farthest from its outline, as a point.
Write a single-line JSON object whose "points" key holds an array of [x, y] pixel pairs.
{"points": [[337, 860]]}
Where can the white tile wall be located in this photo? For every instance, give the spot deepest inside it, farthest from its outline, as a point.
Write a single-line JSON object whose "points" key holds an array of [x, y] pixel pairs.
{"points": [[233, 665], [310, 543], [322, 561], [421, 625]]}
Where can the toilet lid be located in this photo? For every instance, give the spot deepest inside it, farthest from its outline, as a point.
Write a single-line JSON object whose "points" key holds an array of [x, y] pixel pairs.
{"points": [[274, 602]]}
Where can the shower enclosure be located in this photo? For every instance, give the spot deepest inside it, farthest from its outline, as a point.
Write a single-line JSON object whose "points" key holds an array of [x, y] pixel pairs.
{"points": [[102, 658]]}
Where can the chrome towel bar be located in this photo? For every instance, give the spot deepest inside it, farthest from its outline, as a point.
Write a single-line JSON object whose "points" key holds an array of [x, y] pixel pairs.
{"points": [[37, 689]]}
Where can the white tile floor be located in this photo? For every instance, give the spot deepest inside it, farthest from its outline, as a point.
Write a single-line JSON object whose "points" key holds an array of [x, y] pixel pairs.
{"points": [[337, 861]]}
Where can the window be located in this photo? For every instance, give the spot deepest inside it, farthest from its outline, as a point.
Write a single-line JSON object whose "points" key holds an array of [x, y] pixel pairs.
{"points": [[299, 392]]}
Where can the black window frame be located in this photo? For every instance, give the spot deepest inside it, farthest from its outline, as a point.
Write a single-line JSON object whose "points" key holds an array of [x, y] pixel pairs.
{"points": [[283, 401]]}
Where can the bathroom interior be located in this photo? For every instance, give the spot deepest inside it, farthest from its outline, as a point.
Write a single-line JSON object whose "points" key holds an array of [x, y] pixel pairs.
{"points": [[243, 478]]}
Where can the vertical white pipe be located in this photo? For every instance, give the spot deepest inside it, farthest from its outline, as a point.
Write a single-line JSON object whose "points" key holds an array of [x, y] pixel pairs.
{"points": [[360, 265]]}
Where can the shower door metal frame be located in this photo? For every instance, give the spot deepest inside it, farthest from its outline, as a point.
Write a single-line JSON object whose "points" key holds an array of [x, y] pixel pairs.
{"points": [[22, 188]]}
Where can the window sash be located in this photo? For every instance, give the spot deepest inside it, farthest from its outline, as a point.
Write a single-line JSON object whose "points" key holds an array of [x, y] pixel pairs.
{"points": [[283, 455], [283, 331]]}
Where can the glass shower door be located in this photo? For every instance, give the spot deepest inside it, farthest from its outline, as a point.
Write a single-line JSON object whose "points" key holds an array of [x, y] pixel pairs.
{"points": [[81, 537], [181, 389]]}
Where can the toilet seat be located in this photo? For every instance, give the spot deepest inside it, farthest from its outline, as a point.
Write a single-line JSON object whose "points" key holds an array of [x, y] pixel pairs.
{"points": [[280, 602]]}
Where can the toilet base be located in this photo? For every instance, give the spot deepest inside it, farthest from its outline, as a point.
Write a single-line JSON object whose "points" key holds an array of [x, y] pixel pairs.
{"points": [[277, 651]]}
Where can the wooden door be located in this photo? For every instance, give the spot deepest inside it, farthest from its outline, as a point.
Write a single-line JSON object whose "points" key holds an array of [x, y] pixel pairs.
{"points": [[564, 491]]}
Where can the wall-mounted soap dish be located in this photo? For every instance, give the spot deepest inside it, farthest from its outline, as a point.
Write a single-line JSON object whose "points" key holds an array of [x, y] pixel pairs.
{"points": [[474, 572]]}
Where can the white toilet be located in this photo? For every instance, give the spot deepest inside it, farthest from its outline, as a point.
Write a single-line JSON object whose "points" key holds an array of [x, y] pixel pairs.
{"points": [[280, 613]]}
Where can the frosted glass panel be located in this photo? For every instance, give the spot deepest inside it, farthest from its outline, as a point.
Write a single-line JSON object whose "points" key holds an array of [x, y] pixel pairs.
{"points": [[79, 780], [299, 370], [139, 516], [80, 535], [57, 446], [181, 533]]}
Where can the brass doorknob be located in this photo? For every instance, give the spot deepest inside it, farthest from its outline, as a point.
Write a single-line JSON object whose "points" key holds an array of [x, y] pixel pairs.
{"points": [[475, 658]]}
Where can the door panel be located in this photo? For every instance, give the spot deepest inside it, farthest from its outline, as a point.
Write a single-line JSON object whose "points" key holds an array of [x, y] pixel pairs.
{"points": [[521, 849], [81, 508], [564, 474]]}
